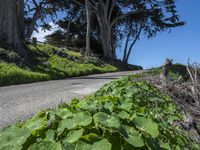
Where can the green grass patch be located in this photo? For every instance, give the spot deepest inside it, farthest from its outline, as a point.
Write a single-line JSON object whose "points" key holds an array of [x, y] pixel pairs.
{"points": [[12, 74], [62, 63], [59, 67], [121, 115]]}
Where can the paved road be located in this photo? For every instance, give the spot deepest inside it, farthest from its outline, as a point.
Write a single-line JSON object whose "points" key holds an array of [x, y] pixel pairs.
{"points": [[20, 102]]}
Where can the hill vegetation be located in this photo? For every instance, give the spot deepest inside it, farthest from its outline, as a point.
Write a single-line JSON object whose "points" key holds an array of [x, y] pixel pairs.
{"points": [[47, 63]]}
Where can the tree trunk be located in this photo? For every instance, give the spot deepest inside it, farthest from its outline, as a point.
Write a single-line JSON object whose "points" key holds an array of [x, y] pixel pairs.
{"points": [[12, 24], [106, 37], [20, 16], [126, 48], [131, 46], [31, 26], [88, 14]]}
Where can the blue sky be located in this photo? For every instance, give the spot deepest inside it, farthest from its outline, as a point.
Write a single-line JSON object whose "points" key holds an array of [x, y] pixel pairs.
{"points": [[182, 43]]}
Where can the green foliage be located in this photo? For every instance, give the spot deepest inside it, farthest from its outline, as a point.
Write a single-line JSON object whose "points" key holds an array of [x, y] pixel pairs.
{"points": [[121, 115], [52, 63], [63, 63], [12, 74], [14, 57], [9, 56], [62, 67]]}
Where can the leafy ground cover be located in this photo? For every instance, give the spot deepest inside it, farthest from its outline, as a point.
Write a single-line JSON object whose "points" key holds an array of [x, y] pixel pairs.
{"points": [[48, 62], [124, 114]]}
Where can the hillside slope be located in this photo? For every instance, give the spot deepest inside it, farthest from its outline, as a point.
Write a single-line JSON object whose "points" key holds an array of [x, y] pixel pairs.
{"points": [[47, 62]]}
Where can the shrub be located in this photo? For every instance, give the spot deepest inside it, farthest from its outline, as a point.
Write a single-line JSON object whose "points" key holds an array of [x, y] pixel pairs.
{"points": [[4, 55], [14, 57]]}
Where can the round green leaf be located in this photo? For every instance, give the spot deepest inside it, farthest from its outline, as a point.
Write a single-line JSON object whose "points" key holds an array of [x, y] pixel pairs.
{"points": [[102, 145], [123, 114], [147, 125], [82, 118], [64, 113], [164, 145], [132, 136], [46, 145], [66, 124], [90, 138], [74, 135], [83, 146], [106, 120], [37, 124], [68, 146], [50, 135], [14, 137]]}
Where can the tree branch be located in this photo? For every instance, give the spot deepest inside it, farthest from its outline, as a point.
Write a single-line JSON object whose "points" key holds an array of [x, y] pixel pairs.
{"points": [[111, 10], [77, 2], [125, 15]]}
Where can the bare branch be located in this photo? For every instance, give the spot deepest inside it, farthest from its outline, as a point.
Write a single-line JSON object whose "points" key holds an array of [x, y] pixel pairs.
{"points": [[189, 71]]}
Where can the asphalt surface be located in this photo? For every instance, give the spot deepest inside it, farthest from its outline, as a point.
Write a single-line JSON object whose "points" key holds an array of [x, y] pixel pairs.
{"points": [[20, 102]]}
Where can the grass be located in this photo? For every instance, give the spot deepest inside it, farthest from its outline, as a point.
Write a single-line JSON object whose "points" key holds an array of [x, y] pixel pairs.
{"points": [[12, 74], [122, 115], [50, 63]]}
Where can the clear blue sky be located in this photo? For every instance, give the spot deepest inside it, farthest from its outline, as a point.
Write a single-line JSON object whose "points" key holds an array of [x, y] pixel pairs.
{"points": [[182, 43]]}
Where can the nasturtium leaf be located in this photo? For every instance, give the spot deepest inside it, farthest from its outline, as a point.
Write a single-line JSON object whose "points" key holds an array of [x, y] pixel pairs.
{"points": [[68, 146], [164, 145], [64, 113], [132, 136], [46, 145], [197, 146], [38, 116], [126, 106], [109, 106], [66, 124], [14, 137], [90, 138], [10, 147], [123, 114], [83, 146], [106, 120], [82, 118], [37, 124], [91, 107], [147, 125], [50, 134], [102, 145], [74, 135]]}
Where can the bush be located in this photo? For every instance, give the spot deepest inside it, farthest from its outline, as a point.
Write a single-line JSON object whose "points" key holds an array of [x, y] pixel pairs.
{"points": [[4, 55], [14, 57]]}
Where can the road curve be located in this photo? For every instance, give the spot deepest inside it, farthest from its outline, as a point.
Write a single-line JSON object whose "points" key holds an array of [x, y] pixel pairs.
{"points": [[20, 102]]}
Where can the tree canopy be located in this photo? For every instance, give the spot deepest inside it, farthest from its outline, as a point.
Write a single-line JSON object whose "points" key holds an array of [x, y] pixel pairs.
{"points": [[103, 22]]}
